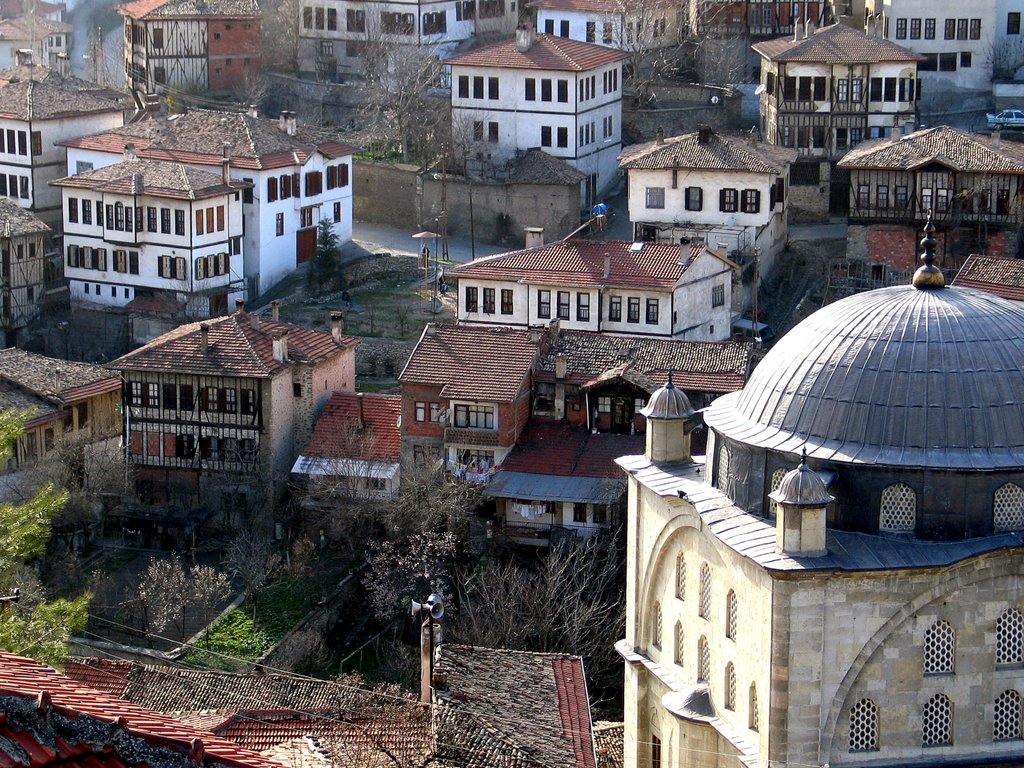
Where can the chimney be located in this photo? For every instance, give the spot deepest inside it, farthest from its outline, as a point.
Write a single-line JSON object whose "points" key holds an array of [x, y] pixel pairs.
{"points": [[524, 36], [254, 321], [129, 152], [62, 64], [997, 139], [607, 265], [336, 327], [225, 162], [534, 237], [275, 310], [796, 30], [239, 306], [704, 134], [204, 338], [808, 28], [58, 380], [292, 124], [254, 111], [362, 419], [281, 347], [23, 56], [534, 336], [561, 365], [659, 136]]}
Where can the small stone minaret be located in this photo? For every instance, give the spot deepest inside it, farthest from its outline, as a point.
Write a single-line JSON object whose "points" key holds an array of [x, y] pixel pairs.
{"points": [[800, 522], [668, 414]]}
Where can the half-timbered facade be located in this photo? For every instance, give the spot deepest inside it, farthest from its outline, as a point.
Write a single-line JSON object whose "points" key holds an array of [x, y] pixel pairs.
{"points": [[629, 25], [971, 186], [38, 109], [216, 412], [177, 44], [543, 91], [22, 268], [299, 175], [153, 230], [643, 289]]}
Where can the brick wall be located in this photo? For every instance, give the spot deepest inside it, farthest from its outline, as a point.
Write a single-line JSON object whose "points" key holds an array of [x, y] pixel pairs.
{"points": [[233, 49], [897, 246]]}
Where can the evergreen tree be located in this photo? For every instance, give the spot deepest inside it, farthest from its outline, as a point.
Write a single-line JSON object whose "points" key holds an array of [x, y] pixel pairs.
{"points": [[33, 626], [325, 271]]}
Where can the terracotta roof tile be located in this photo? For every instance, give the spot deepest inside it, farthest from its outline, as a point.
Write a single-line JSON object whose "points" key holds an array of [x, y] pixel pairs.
{"points": [[548, 52], [20, 220], [38, 374], [143, 9], [535, 166], [995, 274], [719, 153], [952, 147], [151, 177], [609, 738], [598, 6], [835, 44], [472, 362], [335, 436], [199, 137], [698, 366], [87, 728], [34, 100], [511, 708], [43, 74], [107, 675], [553, 449], [582, 263]]}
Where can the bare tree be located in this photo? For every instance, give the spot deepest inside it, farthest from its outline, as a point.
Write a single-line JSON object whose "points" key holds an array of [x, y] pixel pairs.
{"points": [[408, 570], [649, 32], [163, 592], [253, 557], [207, 588], [1006, 57], [280, 30]]}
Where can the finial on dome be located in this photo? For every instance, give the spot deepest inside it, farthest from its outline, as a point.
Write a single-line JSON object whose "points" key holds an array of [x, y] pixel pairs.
{"points": [[803, 457], [670, 385], [928, 276]]}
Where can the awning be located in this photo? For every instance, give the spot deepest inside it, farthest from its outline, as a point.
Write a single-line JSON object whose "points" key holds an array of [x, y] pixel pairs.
{"points": [[306, 465], [532, 487]]}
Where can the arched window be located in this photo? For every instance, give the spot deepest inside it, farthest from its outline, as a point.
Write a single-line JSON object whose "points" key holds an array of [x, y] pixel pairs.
{"points": [[656, 626], [705, 591], [1007, 717], [679, 643], [1008, 508], [681, 577], [898, 510], [863, 726], [1010, 637], [937, 722], [753, 716], [777, 476], [730, 686], [731, 615], [939, 649], [703, 660]]}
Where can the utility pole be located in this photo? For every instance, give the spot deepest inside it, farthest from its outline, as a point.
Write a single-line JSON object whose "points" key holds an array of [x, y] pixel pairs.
{"points": [[96, 56]]}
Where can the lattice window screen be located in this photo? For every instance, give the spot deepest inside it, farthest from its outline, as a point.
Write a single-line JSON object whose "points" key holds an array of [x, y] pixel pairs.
{"points": [[863, 726], [937, 722], [1008, 508], [898, 509], [939, 648], [1007, 721], [1010, 637]]}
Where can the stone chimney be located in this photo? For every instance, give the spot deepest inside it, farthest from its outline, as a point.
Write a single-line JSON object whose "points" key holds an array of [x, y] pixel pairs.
{"points": [[336, 328], [362, 415], [281, 347], [23, 57], [282, 121], [801, 501], [534, 237], [129, 152], [704, 134], [607, 266], [204, 338], [62, 64], [58, 380], [797, 30], [997, 139], [254, 321], [561, 365], [225, 162], [524, 36], [275, 310], [254, 111], [430, 330], [659, 136], [808, 29], [293, 124]]}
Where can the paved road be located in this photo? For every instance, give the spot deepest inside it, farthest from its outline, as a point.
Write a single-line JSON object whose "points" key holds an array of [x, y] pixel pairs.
{"points": [[378, 237]]}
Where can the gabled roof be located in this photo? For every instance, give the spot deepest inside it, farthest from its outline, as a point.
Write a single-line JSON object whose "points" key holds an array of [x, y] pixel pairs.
{"points": [[835, 44], [151, 177], [30, 26], [472, 362], [167, 9], [547, 52], [698, 366], [338, 434], [33, 381], [43, 74], [995, 274], [10, 8], [535, 166], [51, 720], [15, 220], [554, 449], [717, 153], [511, 708], [598, 6], [46, 100], [654, 266], [237, 345], [945, 145], [200, 136]]}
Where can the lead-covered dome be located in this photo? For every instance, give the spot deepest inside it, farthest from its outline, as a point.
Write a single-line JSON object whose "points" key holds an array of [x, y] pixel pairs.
{"points": [[897, 377]]}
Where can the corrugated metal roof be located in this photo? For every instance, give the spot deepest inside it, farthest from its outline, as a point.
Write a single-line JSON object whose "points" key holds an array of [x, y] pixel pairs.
{"points": [[524, 485]]}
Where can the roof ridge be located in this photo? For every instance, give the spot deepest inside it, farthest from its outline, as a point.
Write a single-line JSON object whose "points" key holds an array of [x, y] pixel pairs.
{"points": [[248, 344]]}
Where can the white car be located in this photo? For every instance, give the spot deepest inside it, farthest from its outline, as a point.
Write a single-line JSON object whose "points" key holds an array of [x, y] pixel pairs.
{"points": [[1008, 118]]}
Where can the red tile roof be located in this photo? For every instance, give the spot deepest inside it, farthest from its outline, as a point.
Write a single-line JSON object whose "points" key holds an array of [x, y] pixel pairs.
{"points": [[335, 437], [994, 274], [152, 177], [553, 449], [472, 362], [547, 53], [835, 44], [945, 145], [582, 263], [95, 729], [599, 6], [178, 9], [107, 675], [234, 348]]}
